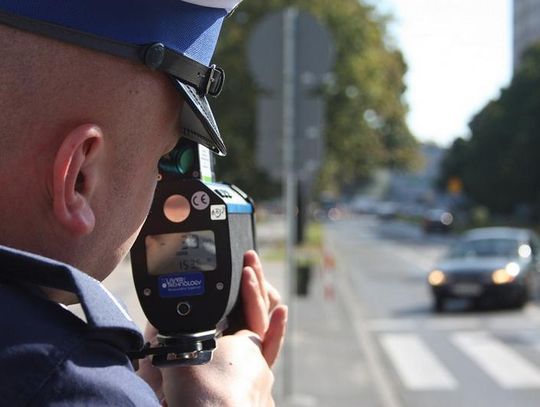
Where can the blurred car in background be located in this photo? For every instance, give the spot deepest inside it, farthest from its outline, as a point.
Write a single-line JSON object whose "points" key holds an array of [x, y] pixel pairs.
{"points": [[364, 206], [387, 210], [328, 209], [437, 221], [499, 263]]}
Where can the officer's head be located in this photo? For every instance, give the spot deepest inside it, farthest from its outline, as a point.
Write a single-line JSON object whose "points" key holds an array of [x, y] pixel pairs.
{"points": [[93, 93]]}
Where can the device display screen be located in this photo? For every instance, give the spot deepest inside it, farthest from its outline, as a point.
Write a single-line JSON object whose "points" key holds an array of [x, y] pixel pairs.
{"points": [[181, 252]]}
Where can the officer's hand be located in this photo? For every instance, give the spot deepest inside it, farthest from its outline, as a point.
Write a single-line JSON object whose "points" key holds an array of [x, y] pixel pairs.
{"points": [[264, 313], [240, 371]]}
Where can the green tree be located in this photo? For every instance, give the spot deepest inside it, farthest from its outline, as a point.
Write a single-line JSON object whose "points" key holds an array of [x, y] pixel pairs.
{"points": [[500, 163], [365, 110]]}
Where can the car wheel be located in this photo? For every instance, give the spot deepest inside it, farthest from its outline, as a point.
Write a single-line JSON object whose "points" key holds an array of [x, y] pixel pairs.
{"points": [[438, 304], [522, 298]]}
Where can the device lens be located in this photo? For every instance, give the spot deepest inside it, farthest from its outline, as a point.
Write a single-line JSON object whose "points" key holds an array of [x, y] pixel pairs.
{"points": [[186, 160], [178, 161], [176, 208]]}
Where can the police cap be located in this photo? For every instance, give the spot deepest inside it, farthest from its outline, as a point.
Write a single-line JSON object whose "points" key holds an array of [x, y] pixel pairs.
{"points": [[177, 37]]}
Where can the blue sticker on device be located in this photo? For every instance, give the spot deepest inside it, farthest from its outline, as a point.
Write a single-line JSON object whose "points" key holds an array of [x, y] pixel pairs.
{"points": [[181, 285]]}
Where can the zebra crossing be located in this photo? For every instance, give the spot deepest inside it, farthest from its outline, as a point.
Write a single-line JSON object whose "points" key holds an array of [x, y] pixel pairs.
{"points": [[416, 364], [411, 353], [502, 363]]}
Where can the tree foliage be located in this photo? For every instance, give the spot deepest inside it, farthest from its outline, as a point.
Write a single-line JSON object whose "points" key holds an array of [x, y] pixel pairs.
{"points": [[500, 163], [365, 109]]}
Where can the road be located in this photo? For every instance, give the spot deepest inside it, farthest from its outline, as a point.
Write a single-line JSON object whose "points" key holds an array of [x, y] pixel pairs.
{"points": [[366, 334], [414, 357]]}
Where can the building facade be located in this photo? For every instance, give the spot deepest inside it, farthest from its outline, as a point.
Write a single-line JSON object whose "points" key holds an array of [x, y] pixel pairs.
{"points": [[526, 27]]}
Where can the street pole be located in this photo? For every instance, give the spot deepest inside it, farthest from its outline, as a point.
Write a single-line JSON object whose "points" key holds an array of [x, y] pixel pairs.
{"points": [[290, 17]]}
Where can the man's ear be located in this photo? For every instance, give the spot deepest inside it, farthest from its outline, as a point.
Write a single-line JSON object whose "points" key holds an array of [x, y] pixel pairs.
{"points": [[76, 172]]}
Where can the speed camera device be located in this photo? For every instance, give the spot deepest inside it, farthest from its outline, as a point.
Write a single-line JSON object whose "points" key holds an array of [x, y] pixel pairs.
{"points": [[187, 260]]}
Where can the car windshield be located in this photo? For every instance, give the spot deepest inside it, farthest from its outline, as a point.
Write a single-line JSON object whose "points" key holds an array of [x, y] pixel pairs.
{"points": [[485, 248]]}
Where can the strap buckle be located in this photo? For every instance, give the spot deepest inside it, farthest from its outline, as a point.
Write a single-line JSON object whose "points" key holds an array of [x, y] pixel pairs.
{"points": [[214, 81]]}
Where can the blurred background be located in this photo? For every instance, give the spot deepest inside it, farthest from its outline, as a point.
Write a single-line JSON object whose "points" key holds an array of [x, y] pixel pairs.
{"points": [[409, 256]]}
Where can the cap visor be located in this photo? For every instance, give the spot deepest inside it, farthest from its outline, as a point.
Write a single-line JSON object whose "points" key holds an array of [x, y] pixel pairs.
{"points": [[198, 123]]}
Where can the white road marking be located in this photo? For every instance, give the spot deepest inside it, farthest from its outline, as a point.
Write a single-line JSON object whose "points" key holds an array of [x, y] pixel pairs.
{"points": [[417, 367], [432, 324], [452, 323], [391, 324], [509, 323], [503, 364]]}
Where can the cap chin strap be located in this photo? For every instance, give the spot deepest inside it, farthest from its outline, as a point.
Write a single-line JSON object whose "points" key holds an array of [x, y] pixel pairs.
{"points": [[206, 80]]}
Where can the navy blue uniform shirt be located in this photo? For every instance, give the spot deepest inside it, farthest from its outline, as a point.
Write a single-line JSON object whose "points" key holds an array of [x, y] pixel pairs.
{"points": [[48, 356]]}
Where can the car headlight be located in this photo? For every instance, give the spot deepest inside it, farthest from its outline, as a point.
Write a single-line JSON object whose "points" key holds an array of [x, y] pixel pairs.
{"points": [[525, 251], [447, 219], [436, 277], [506, 275]]}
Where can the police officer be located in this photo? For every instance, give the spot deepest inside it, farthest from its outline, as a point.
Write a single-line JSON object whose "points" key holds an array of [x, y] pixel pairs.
{"points": [[93, 93]]}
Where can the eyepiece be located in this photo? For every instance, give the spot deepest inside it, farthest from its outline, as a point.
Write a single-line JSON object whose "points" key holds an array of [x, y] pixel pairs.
{"points": [[181, 160]]}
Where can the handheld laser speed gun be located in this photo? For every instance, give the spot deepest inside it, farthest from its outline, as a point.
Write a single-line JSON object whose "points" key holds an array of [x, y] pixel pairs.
{"points": [[187, 261]]}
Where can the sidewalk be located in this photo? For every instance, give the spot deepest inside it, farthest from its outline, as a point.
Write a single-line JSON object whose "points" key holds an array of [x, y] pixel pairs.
{"points": [[322, 364]]}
